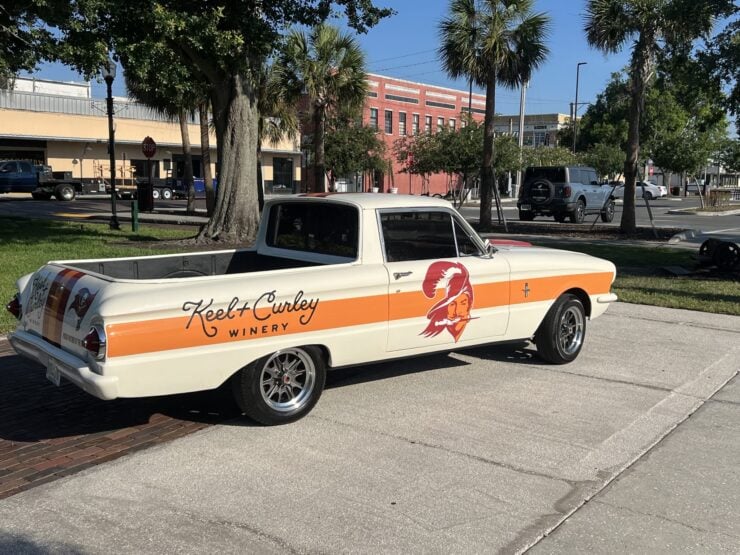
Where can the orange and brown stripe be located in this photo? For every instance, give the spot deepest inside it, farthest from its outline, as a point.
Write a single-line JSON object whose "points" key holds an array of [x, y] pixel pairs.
{"points": [[181, 332], [56, 304]]}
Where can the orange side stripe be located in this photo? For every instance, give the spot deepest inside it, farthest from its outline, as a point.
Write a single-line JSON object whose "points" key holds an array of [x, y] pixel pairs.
{"points": [[192, 331]]}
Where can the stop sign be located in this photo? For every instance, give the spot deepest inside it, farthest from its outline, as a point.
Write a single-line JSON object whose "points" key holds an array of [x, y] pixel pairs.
{"points": [[148, 147]]}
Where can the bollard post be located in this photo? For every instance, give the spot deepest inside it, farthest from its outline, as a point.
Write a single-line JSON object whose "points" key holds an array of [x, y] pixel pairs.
{"points": [[134, 216]]}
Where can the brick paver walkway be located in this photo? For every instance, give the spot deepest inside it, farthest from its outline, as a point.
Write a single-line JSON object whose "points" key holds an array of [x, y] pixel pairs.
{"points": [[48, 432]]}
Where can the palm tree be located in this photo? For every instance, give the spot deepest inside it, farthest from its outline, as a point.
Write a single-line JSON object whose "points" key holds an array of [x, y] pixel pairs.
{"points": [[652, 25], [492, 42], [328, 68]]}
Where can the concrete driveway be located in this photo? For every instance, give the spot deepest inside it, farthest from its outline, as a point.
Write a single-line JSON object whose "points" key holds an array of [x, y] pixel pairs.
{"points": [[481, 451]]}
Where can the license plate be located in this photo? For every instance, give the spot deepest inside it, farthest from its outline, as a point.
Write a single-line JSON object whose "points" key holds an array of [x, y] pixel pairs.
{"points": [[526, 207], [53, 374]]}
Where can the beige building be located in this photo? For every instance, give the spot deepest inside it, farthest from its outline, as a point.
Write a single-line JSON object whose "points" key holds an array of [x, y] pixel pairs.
{"points": [[61, 125]]}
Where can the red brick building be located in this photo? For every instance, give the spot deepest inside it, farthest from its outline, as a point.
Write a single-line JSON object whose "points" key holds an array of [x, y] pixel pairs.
{"points": [[399, 108]]}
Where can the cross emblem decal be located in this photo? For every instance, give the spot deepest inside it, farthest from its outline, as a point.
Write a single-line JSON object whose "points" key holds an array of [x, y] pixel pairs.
{"points": [[526, 290]]}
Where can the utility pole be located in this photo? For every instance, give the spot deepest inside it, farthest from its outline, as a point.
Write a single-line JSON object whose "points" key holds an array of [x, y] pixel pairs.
{"points": [[522, 101]]}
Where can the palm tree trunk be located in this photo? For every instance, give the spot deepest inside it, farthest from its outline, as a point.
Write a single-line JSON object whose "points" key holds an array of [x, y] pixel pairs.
{"points": [[235, 217], [487, 178], [640, 74], [188, 161], [318, 149], [205, 155]]}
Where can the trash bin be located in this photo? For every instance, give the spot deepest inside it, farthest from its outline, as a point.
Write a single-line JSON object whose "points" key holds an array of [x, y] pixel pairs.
{"points": [[145, 196]]}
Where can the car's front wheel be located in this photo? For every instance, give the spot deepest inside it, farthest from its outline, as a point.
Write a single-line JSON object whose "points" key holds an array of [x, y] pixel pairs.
{"points": [[65, 192], [560, 336], [281, 387], [607, 214]]}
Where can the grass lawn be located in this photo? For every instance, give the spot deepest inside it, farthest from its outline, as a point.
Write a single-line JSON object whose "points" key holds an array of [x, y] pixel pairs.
{"points": [[26, 245], [641, 281]]}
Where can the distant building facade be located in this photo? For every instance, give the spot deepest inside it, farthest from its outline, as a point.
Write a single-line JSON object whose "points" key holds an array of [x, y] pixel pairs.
{"points": [[61, 125]]}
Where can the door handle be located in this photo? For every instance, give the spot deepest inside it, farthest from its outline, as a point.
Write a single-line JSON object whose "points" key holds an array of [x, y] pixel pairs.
{"points": [[399, 275]]}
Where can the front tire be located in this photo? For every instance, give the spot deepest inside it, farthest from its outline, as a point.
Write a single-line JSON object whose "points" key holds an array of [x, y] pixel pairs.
{"points": [[560, 336], [281, 387], [607, 214]]}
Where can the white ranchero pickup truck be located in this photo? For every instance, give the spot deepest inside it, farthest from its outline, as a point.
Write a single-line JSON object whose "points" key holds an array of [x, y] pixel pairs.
{"points": [[334, 280]]}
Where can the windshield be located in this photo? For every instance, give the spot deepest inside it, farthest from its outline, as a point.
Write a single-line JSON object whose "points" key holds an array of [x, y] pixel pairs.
{"points": [[551, 174]]}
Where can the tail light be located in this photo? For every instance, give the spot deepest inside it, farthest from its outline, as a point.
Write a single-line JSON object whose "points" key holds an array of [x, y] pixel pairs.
{"points": [[14, 307], [95, 342], [566, 191]]}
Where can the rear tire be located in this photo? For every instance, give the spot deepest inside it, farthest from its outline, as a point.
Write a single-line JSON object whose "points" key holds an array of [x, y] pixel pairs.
{"points": [[560, 336], [167, 194], [281, 387], [65, 192], [579, 215], [526, 215], [607, 214], [648, 195]]}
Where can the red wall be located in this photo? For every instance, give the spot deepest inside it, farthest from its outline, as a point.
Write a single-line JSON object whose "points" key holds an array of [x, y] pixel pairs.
{"points": [[423, 94]]}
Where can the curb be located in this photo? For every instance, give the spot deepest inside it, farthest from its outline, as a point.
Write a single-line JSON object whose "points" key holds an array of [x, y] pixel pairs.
{"points": [[695, 212]]}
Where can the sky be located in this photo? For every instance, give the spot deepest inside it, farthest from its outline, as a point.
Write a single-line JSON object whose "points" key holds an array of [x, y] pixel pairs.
{"points": [[405, 46]]}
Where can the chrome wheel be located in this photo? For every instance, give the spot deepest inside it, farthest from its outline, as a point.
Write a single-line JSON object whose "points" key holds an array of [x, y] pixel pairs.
{"points": [[570, 331], [287, 380]]}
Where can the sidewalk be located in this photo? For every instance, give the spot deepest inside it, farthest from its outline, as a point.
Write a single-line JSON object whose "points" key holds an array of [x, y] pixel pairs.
{"points": [[632, 448]]}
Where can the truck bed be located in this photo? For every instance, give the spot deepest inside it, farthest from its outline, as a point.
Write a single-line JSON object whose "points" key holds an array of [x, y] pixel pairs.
{"points": [[191, 265]]}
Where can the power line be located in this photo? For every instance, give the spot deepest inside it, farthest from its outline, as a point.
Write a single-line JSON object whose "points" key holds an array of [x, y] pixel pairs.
{"points": [[403, 56], [407, 65]]}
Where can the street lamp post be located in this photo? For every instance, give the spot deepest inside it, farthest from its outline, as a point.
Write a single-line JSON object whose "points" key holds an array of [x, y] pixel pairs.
{"points": [[109, 73], [575, 106]]}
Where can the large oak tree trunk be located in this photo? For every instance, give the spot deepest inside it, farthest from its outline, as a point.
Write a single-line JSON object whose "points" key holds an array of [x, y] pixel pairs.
{"points": [[235, 217], [487, 182], [205, 154], [187, 155]]}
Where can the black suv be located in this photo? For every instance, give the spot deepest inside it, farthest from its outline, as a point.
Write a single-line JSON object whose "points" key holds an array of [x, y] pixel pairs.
{"points": [[564, 191]]}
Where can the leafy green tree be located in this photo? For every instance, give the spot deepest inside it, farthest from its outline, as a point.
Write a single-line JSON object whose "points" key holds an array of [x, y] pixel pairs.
{"points": [[652, 25], [606, 119], [548, 156], [492, 42], [225, 43], [730, 155], [328, 67], [722, 60], [606, 159], [353, 149]]}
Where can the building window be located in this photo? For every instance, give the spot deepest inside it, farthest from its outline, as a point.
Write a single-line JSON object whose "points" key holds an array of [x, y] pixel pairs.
{"points": [[402, 123], [428, 124], [440, 123], [389, 122], [374, 118], [415, 124], [406, 99], [452, 124]]}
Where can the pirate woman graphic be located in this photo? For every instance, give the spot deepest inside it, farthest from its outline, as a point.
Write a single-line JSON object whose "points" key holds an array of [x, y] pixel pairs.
{"points": [[452, 313]]}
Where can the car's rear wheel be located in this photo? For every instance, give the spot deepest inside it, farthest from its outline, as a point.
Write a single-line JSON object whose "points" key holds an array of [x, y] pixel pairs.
{"points": [[579, 214], [560, 336], [281, 387], [607, 214], [155, 194], [526, 215], [64, 192], [166, 194], [648, 195]]}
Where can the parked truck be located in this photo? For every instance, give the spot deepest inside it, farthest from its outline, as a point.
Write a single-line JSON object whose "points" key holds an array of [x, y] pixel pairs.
{"points": [[333, 280], [22, 176]]}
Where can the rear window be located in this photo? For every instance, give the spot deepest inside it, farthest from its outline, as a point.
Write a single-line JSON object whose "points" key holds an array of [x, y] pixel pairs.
{"points": [[556, 175], [314, 227]]}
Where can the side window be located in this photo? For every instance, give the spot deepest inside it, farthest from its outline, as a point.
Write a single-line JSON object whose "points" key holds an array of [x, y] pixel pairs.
{"points": [[418, 236], [317, 228], [25, 167], [465, 245], [590, 177], [10, 167], [574, 175]]}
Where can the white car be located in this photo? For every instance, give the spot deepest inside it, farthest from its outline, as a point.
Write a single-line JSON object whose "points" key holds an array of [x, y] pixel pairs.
{"points": [[643, 189]]}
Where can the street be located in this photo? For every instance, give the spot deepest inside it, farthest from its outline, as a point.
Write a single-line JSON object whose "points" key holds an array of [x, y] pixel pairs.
{"points": [[631, 448]]}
